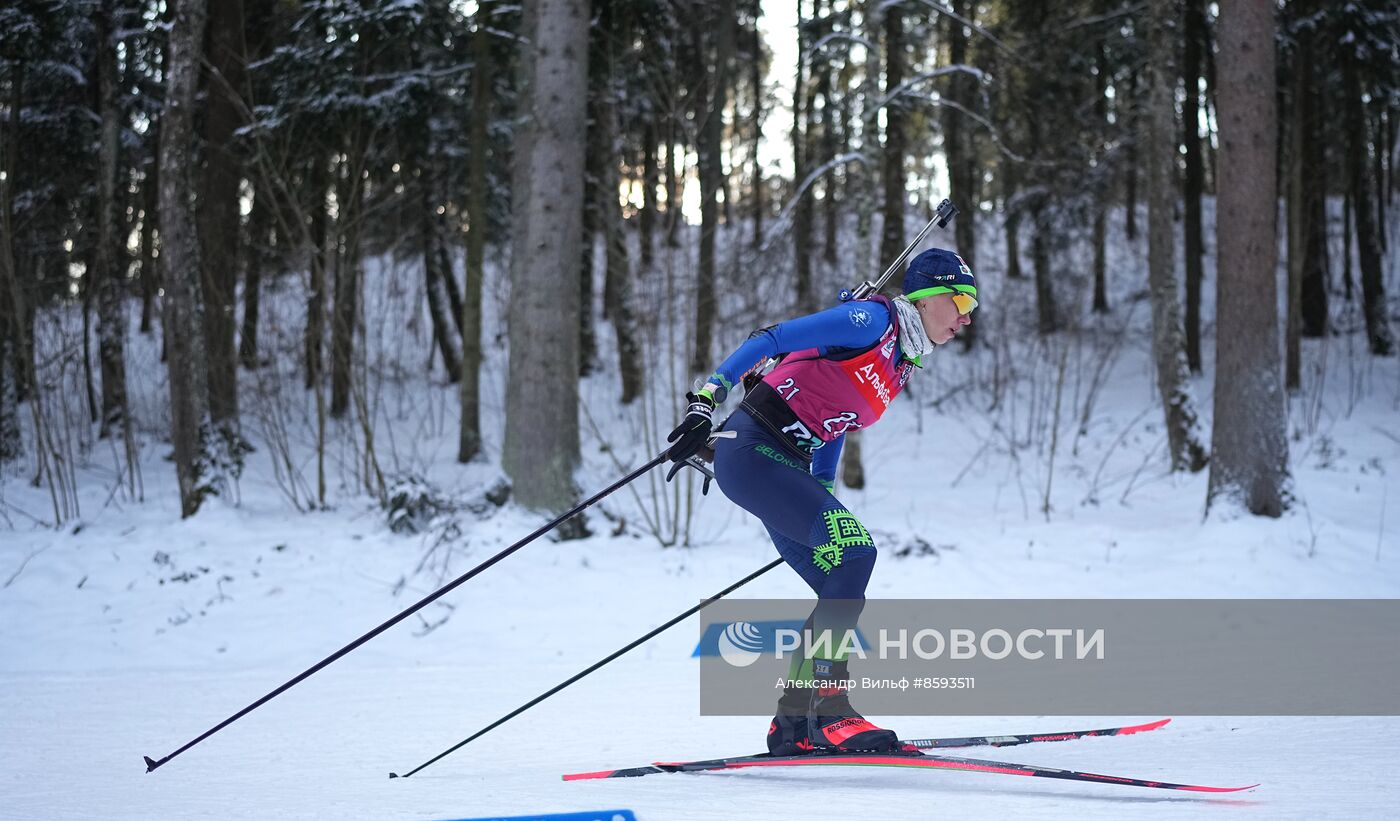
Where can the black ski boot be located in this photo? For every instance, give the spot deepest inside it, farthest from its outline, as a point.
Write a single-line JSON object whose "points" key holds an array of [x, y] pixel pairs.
{"points": [[834, 723]]}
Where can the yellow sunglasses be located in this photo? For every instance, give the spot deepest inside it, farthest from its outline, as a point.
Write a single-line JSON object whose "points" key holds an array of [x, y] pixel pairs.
{"points": [[966, 303]]}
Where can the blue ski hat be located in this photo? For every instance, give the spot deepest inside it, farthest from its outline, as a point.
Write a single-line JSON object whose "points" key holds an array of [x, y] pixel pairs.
{"points": [[937, 271]]}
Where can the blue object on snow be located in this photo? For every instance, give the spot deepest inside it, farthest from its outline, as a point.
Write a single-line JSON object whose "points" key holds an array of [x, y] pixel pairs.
{"points": [[594, 815]]}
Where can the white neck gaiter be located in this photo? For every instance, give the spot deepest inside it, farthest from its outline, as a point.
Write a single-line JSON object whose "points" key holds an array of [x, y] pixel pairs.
{"points": [[912, 339]]}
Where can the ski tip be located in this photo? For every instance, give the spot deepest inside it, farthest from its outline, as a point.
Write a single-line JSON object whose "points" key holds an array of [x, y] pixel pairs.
{"points": [[150, 763], [393, 775], [585, 776], [1143, 728], [1219, 789]]}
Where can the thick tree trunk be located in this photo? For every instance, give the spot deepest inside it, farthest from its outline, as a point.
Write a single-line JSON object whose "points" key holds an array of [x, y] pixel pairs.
{"points": [[1249, 462], [1173, 378], [1191, 72], [710, 114], [111, 248], [184, 300], [1368, 247], [483, 70], [542, 435], [218, 210]]}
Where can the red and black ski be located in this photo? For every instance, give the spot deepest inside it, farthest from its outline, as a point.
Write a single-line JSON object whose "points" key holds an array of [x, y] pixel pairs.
{"points": [[915, 760], [919, 743], [1028, 738], [910, 757]]}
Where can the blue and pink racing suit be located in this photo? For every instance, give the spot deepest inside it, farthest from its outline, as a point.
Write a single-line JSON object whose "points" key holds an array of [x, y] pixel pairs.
{"points": [[782, 464]]}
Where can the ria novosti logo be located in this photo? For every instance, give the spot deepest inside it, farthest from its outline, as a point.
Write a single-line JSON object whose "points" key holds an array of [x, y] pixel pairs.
{"points": [[740, 644]]}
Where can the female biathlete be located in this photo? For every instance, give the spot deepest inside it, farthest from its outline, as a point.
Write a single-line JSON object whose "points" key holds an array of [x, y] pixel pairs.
{"points": [[839, 371]]}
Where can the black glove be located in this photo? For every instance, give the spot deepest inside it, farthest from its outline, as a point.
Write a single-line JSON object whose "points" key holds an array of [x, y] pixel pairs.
{"points": [[694, 430]]}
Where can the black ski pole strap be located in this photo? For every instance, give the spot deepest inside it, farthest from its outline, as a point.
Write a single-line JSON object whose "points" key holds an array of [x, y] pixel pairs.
{"points": [[152, 764], [556, 688]]}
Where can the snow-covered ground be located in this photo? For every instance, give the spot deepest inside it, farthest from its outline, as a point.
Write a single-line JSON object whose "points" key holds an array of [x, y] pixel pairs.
{"points": [[127, 631]]}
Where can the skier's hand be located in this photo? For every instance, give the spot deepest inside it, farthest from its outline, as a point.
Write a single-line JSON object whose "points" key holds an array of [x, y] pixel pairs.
{"points": [[693, 432]]}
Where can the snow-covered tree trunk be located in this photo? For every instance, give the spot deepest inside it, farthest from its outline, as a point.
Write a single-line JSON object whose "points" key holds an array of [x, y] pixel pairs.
{"points": [[180, 259], [111, 246], [1173, 378], [542, 435], [1249, 459]]}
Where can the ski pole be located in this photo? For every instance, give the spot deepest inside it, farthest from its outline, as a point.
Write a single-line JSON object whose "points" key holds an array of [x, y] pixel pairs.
{"points": [[945, 211], [556, 688], [151, 765]]}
